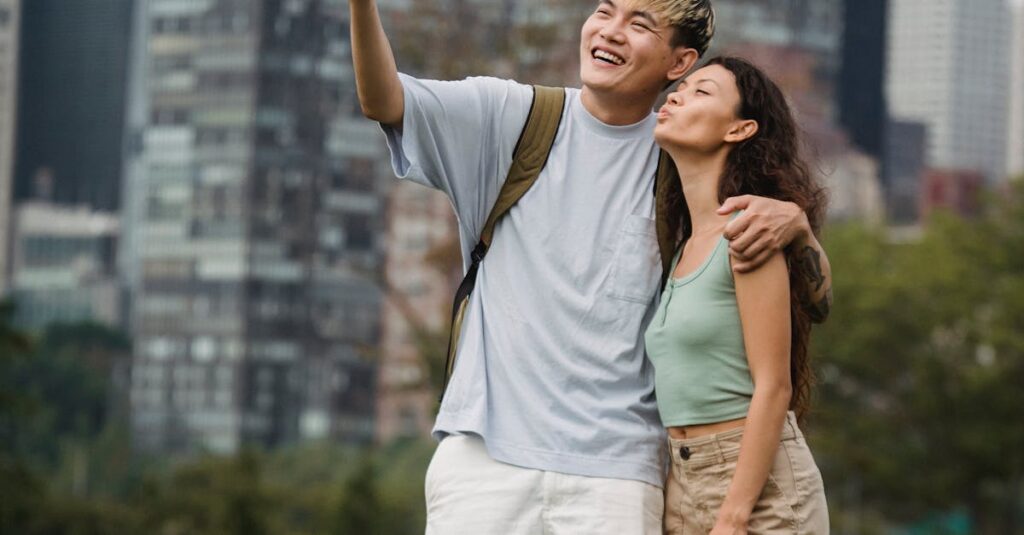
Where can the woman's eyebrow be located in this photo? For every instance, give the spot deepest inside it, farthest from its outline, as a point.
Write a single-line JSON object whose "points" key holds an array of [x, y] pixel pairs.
{"points": [[700, 81]]}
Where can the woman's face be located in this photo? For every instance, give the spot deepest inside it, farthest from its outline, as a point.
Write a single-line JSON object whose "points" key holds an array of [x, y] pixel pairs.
{"points": [[701, 114]]}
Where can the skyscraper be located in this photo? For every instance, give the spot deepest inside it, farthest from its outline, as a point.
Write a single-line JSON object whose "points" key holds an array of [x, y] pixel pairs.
{"points": [[73, 66], [1015, 137], [9, 26], [861, 84], [948, 67], [254, 214]]}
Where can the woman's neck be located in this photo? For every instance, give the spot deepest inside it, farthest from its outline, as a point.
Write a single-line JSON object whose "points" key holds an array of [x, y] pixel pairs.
{"points": [[699, 175]]}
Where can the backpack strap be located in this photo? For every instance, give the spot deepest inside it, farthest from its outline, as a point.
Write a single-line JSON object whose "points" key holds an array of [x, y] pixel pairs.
{"points": [[530, 155], [666, 238], [528, 159]]}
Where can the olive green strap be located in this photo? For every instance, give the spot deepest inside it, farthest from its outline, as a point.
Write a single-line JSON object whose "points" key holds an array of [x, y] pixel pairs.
{"points": [[528, 158], [530, 155]]}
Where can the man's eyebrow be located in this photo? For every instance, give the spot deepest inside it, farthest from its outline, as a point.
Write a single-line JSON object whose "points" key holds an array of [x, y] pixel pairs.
{"points": [[644, 15]]}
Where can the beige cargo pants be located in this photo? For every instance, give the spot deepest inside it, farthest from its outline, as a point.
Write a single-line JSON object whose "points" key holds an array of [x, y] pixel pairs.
{"points": [[792, 502]]}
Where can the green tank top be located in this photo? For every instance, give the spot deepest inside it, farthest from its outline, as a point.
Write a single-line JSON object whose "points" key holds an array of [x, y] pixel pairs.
{"points": [[695, 342]]}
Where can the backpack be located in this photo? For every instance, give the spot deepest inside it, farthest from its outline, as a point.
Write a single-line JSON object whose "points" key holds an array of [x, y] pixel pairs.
{"points": [[528, 159]]}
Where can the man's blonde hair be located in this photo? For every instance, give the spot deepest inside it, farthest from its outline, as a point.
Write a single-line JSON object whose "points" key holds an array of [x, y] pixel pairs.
{"points": [[692, 20]]}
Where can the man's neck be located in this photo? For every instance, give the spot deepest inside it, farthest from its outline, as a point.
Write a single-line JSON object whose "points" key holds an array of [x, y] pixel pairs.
{"points": [[614, 110]]}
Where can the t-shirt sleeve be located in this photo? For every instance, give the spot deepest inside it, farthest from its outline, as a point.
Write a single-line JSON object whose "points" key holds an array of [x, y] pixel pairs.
{"points": [[458, 137]]}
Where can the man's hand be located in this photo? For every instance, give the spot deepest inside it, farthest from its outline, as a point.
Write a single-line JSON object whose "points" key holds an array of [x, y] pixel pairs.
{"points": [[765, 227]]}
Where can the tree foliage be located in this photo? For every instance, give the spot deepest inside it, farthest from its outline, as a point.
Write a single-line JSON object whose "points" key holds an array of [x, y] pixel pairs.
{"points": [[922, 370]]}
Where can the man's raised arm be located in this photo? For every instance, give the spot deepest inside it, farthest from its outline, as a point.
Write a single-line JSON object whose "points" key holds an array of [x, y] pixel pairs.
{"points": [[377, 83]]}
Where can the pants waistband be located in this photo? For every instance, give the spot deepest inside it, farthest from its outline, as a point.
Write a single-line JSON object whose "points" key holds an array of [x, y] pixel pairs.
{"points": [[713, 449]]}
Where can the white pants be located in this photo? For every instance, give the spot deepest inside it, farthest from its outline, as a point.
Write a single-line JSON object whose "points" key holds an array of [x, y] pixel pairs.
{"points": [[470, 493]]}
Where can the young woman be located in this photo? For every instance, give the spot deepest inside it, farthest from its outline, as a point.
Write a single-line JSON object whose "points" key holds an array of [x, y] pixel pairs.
{"points": [[730, 349]]}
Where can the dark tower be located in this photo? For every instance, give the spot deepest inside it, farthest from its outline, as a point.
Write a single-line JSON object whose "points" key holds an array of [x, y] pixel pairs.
{"points": [[72, 92], [861, 84]]}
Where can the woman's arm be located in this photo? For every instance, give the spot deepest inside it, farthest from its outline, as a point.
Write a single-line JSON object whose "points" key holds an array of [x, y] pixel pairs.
{"points": [[766, 227], [763, 299]]}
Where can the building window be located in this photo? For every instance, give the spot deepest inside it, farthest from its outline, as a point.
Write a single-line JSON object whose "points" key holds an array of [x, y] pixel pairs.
{"points": [[358, 175], [359, 232]]}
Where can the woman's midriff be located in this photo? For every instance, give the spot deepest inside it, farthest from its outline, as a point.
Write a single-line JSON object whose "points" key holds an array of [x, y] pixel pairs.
{"points": [[682, 432]]}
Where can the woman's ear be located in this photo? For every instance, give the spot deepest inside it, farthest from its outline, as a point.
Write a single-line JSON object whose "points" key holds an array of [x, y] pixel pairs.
{"points": [[741, 130]]}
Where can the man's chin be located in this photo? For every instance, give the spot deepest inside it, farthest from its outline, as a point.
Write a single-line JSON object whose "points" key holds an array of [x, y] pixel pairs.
{"points": [[594, 82]]}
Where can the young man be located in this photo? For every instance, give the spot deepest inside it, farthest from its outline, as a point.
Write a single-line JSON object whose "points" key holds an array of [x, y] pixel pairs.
{"points": [[549, 423]]}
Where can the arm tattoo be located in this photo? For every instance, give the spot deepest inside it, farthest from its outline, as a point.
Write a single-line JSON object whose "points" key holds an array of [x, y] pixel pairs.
{"points": [[809, 260], [809, 264], [818, 312]]}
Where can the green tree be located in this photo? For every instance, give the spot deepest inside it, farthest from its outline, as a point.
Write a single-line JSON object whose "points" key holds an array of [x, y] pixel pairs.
{"points": [[921, 365], [68, 381], [214, 496], [20, 490], [358, 510]]}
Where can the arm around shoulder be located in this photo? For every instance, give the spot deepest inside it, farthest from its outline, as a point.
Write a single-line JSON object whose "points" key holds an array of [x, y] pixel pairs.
{"points": [[811, 261], [770, 225]]}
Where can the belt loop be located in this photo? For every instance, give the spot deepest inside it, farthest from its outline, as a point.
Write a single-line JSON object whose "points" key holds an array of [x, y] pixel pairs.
{"points": [[790, 426]]}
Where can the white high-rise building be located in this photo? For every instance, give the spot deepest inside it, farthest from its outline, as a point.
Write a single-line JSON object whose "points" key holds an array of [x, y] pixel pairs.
{"points": [[949, 68], [9, 24], [63, 266], [1015, 136], [252, 216]]}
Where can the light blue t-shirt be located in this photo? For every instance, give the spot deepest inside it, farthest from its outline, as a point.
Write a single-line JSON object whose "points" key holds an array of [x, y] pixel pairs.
{"points": [[551, 371]]}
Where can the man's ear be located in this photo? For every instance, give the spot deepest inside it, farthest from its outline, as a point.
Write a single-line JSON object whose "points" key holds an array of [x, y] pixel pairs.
{"points": [[683, 59], [741, 130]]}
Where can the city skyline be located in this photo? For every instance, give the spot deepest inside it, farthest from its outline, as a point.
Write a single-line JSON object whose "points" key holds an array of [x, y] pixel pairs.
{"points": [[221, 312], [277, 281]]}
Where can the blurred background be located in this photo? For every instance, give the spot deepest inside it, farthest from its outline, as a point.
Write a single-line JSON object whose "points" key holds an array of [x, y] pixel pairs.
{"points": [[223, 315]]}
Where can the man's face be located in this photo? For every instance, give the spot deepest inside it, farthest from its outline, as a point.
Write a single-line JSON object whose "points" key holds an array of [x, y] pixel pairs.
{"points": [[625, 49]]}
